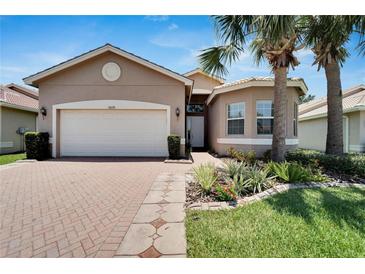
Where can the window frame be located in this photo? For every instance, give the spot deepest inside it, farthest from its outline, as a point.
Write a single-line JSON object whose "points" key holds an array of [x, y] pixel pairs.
{"points": [[200, 104], [238, 118], [265, 117]]}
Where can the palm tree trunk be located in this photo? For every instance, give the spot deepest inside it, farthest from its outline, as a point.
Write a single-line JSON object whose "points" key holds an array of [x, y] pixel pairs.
{"points": [[334, 143], [280, 102]]}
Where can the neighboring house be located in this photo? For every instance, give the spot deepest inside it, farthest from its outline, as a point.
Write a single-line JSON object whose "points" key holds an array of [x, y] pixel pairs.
{"points": [[109, 102], [18, 113], [313, 122]]}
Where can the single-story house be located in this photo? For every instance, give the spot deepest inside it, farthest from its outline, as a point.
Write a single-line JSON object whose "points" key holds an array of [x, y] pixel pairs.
{"points": [[18, 114], [109, 102], [313, 121]]}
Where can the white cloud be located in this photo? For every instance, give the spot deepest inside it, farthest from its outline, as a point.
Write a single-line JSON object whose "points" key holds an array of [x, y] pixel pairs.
{"points": [[173, 26], [157, 18]]}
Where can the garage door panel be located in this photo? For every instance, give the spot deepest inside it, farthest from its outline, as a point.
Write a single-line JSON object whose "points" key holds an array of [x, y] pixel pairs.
{"points": [[113, 133]]}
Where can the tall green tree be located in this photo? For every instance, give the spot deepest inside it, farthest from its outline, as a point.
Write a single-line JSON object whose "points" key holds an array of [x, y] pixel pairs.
{"points": [[274, 39], [328, 37]]}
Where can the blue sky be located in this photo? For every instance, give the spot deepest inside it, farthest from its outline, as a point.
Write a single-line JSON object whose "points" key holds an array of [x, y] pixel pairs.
{"points": [[32, 43]]}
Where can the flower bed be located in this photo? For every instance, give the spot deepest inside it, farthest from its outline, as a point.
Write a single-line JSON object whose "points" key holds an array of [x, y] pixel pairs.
{"points": [[243, 176]]}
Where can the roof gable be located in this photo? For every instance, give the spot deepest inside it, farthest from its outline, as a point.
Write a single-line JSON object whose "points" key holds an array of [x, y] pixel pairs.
{"points": [[199, 71], [35, 78]]}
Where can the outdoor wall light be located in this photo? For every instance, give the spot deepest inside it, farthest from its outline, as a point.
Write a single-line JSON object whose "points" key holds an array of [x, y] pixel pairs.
{"points": [[43, 111], [177, 111]]}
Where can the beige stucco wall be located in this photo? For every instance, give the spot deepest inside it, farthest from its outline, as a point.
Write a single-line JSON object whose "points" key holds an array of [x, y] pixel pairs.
{"points": [[202, 81], [11, 119], [137, 83], [313, 133], [218, 117]]}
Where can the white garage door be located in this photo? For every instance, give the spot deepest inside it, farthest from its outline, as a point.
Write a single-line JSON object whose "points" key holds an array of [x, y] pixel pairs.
{"points": [[113, 133]]}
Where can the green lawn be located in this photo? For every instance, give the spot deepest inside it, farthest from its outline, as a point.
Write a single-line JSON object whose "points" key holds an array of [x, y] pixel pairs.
{"points": [[10, 158], [327, 222]]}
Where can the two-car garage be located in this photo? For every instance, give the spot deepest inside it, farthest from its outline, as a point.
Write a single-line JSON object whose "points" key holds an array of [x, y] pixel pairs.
{"points": [[109, 102], [113, 132]]}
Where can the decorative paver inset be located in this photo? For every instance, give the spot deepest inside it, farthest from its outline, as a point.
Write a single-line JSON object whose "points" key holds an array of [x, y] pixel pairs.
{"points": [[158, 228]]}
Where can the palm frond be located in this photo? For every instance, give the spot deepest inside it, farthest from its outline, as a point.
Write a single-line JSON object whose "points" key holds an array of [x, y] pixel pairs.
{"points": [[214, 60]]}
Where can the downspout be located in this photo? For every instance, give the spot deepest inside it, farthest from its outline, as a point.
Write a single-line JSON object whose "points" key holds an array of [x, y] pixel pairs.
{"points": [[346, 136]]}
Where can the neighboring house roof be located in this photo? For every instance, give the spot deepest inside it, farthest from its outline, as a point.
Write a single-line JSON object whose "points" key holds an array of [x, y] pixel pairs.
{"points": [[33, 79], [353, 99], [15, 96], [256, 82], [198, 70]]}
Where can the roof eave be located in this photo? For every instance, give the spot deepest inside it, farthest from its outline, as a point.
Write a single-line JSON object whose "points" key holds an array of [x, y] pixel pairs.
{"points": [[34, 79], [257, 83], [220, 80], [5, 104], [322, 115]]}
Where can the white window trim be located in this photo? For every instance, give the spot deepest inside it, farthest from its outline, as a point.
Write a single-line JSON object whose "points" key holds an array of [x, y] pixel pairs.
{"points": [[104, 104], [240, 118], [263, 117], [249, 141]]}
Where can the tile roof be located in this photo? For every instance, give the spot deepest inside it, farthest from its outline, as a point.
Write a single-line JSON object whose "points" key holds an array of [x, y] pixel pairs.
{"points": [[21, 99], [352, 99], [246, 80]]}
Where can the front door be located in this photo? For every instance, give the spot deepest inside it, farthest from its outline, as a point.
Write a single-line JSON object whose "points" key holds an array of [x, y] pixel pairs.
{"points": [[195, 125]]}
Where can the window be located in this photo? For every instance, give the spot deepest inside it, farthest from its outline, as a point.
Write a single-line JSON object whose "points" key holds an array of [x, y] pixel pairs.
{"points": [[265, 116], [295, 120], [236, 118], [195, 108]]}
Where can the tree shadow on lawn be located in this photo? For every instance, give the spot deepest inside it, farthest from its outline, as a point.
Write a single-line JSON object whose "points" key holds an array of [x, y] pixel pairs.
{"points": [[335, 205]]}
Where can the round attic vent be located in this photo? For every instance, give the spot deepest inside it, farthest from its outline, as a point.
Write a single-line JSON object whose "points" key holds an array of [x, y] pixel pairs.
{"points": [[111, 71]]}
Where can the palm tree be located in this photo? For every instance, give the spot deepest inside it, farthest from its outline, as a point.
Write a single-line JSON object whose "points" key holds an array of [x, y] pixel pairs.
{"points": [[327, 36], [274, 39]]}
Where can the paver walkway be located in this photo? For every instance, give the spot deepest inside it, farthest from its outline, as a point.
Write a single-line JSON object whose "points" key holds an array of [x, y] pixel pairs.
{"points": [[76, 207], [158, 229]]}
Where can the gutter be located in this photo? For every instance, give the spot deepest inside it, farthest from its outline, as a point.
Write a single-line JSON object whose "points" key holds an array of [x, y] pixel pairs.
{"points": [[5, 104]]}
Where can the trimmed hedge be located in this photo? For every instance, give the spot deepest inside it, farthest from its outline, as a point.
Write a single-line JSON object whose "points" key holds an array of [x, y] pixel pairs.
{"points": [[351, 164], [37, 145], [173, 142]]}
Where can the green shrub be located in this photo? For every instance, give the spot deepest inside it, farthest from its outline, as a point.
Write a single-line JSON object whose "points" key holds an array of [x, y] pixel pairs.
{"points": [[173, 142], [226, 192], [267, 155], [351, 164], [37, 145], [248, 156], [233, 168], [206, 176], [289, 172], [294, 172], [258, 180]]}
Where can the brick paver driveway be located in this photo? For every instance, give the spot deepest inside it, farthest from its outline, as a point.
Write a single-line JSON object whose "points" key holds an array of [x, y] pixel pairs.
{"points": [[74, 207]]}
